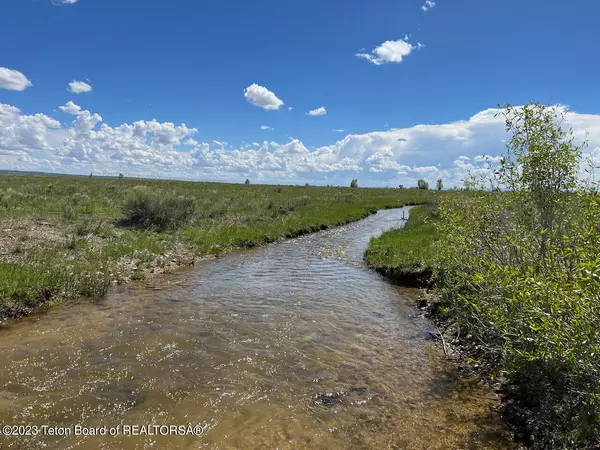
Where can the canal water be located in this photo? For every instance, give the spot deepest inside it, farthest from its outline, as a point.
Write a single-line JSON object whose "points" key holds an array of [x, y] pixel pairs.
{"points": [[294, 345]]}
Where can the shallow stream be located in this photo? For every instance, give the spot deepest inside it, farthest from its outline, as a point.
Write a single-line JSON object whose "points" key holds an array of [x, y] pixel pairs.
{"points": [[294, 345]]}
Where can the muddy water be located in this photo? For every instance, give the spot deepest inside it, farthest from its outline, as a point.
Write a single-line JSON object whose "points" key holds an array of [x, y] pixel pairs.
{"points": [[296, 345]]}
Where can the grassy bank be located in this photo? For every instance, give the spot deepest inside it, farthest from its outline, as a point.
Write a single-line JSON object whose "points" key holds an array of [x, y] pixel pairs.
{"points": [[65, 237], [406, 255]]}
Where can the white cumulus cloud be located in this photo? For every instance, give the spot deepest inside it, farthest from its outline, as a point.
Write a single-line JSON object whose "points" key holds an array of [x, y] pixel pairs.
{"points": [[317, 112], [22, 132], [262, 97], [487, 158], [266, 127], [13, 80], [70, 108], [428, 5], [79, 87], [390, 52], [425, 169], [163, 149]]}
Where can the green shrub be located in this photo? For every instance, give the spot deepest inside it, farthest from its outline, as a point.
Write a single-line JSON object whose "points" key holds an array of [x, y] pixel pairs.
{"points": [[11, 199], [520, 274], [157, 210], [79, 198], [68, 212]]}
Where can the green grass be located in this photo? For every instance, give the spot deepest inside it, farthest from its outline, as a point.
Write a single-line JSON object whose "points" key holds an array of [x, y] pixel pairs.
{"points": [[410, 249], [66, 237]]}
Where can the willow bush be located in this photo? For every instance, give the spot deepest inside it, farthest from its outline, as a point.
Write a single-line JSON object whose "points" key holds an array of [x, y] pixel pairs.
{"points": [[519, 274]]}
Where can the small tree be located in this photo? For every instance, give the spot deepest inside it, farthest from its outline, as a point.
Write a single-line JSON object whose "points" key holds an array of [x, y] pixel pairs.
{"points": [[121, 176], [422, 184], [401, 186], [247, 181], [541, 164], [354, 183], [440, 184]]}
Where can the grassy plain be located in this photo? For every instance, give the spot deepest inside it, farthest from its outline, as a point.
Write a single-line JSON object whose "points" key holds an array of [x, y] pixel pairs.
{"points": [[67, 237]]}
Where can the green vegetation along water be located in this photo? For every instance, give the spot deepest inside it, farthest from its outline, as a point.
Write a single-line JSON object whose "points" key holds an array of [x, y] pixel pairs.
{"points": [[407, 254], [65, 237], [517, 277], [292, 345]]}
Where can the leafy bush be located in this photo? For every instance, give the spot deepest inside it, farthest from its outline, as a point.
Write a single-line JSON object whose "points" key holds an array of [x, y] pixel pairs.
{"points": [[157, 210], [520, 275], [354, 183], [422, 184]]}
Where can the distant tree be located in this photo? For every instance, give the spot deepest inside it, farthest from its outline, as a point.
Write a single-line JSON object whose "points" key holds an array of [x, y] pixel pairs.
{"points": [[401, 186], [422, 184], [439, 184], [354, 183], [91, 174], [307, 185], [121, 175], [247, 181]]}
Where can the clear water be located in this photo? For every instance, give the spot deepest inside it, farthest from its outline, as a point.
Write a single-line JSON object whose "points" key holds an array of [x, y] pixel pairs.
{"points": [[295, 345]]}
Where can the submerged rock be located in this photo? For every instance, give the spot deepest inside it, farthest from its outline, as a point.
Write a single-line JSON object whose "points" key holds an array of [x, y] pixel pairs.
{"points": [[356, 395], [327, 399]]}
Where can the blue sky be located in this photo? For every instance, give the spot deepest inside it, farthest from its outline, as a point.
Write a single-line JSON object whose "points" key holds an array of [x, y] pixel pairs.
{"points": [[189, 62]]}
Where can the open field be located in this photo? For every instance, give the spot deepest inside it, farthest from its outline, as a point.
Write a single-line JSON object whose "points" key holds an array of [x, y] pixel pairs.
{"points": [[68, 237]]}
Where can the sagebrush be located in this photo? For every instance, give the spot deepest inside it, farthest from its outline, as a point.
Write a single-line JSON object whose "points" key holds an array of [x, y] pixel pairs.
{"points": [[157, 210]]}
